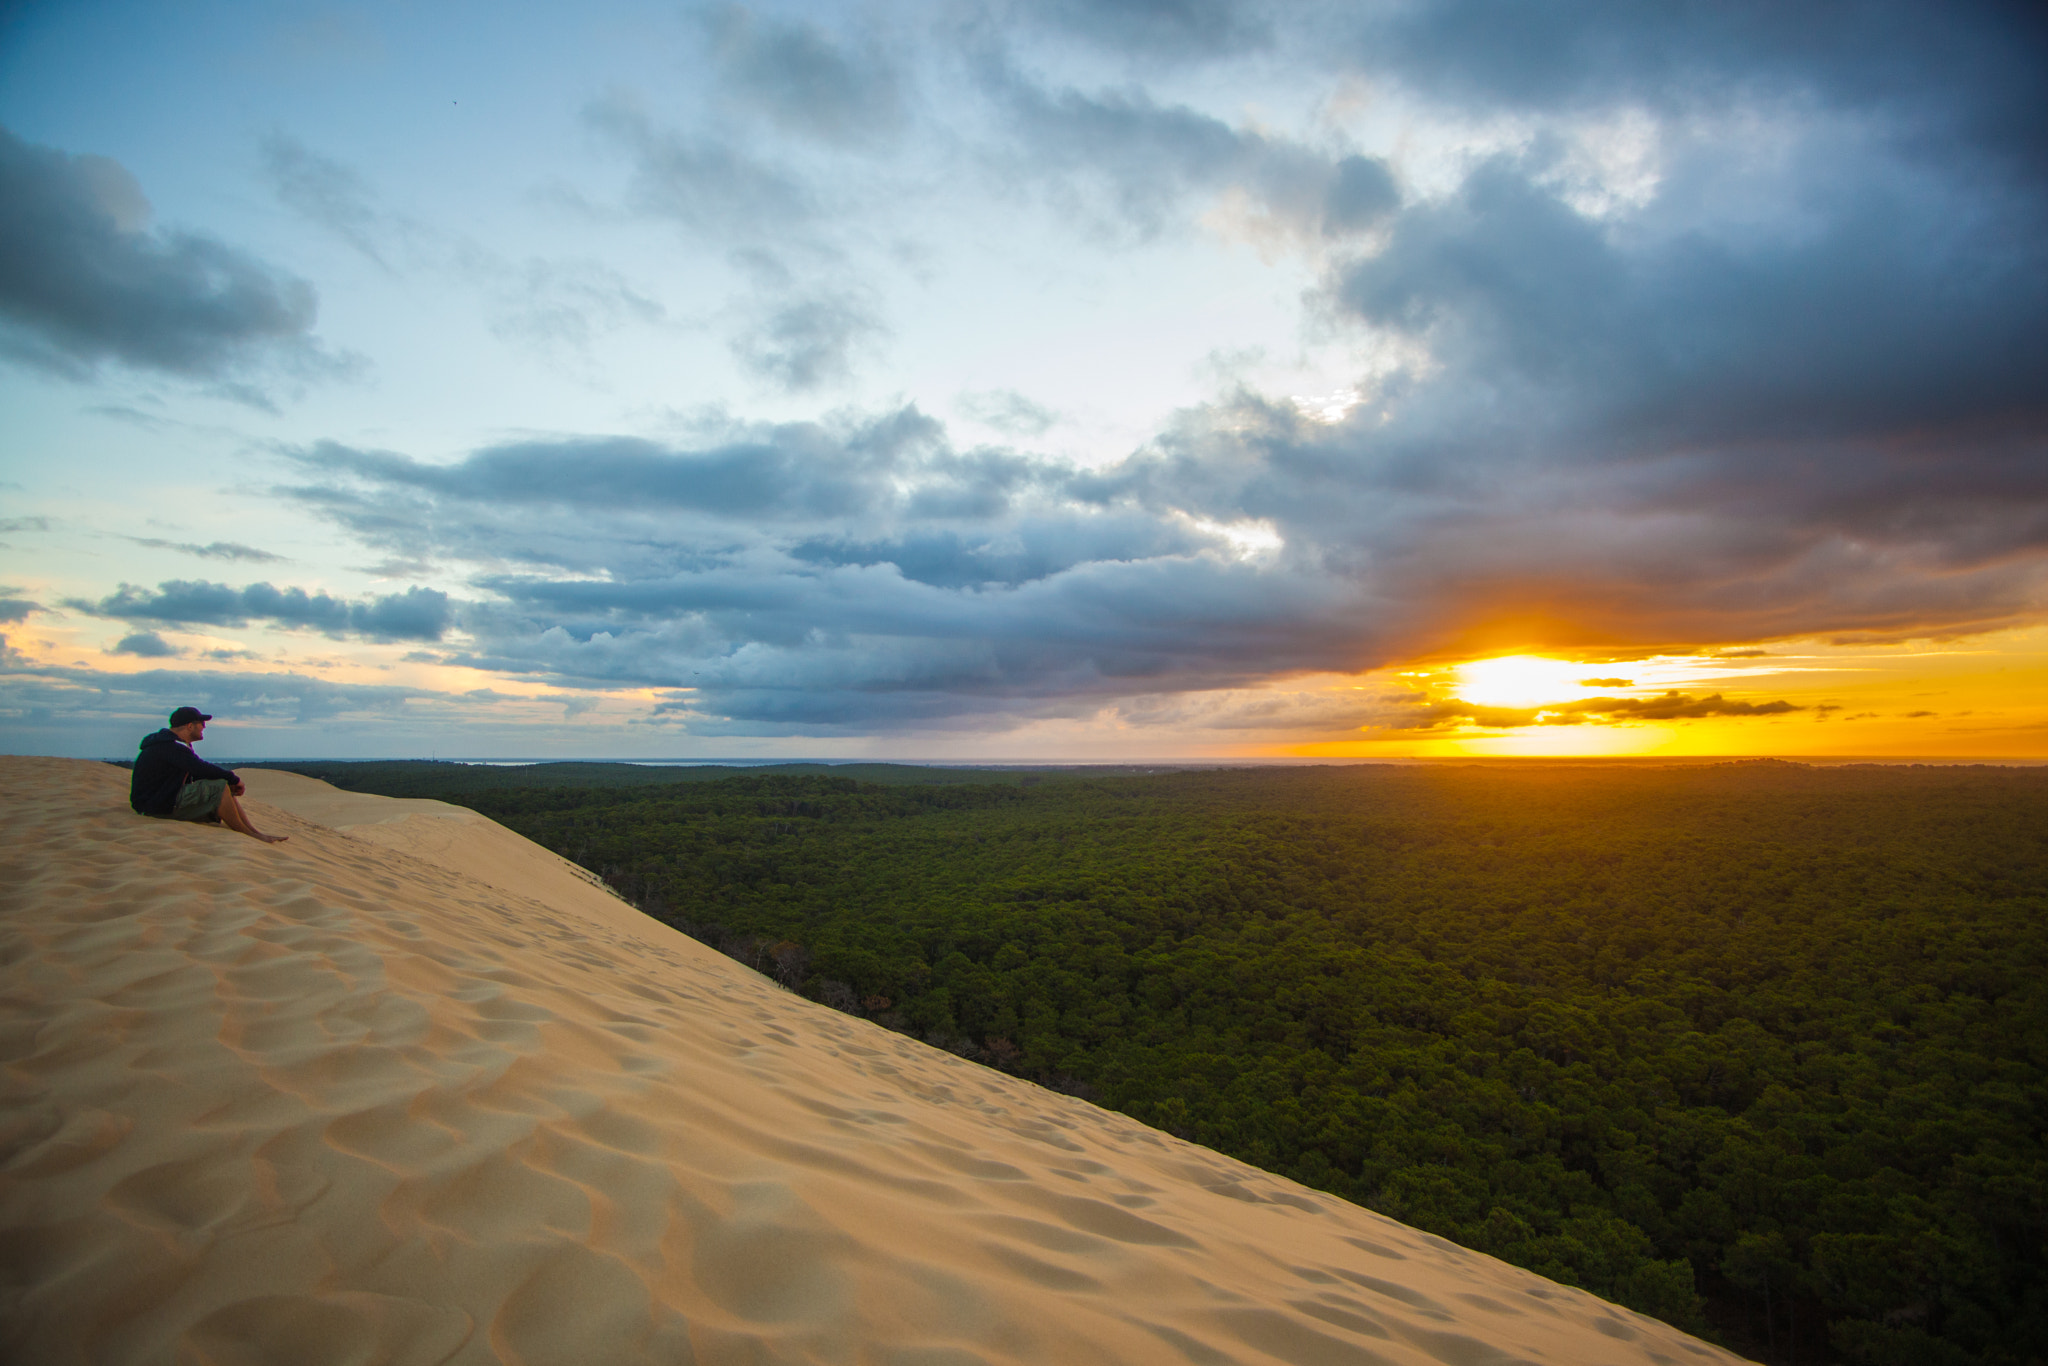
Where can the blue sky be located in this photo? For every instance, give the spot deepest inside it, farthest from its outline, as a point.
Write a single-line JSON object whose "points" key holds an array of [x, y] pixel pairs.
{"points": [[1063, 380]]}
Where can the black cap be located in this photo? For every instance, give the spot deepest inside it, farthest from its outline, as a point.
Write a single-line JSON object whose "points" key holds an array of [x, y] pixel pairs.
{"points": [[185, 716]]}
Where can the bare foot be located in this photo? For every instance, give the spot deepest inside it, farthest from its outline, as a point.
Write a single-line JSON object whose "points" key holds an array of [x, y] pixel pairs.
{"points": [[273, 839]]}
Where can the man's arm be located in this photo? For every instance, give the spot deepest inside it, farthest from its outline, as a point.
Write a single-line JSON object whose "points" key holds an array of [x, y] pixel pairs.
{"points": [[196, 767]]}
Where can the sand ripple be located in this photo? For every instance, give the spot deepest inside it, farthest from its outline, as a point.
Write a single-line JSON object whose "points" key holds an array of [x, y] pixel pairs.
{"points": [[342, 1100]]}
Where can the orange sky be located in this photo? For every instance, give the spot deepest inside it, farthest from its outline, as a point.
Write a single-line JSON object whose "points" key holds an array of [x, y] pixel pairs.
{"points": [[1984, 697]]}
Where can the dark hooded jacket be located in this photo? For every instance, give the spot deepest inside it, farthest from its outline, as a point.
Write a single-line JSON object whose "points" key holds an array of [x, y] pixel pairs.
{"points": [[164, 765]]}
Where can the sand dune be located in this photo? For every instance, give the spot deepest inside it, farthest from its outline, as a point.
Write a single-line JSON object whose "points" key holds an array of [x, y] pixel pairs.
{"points": [[409, 1089]]}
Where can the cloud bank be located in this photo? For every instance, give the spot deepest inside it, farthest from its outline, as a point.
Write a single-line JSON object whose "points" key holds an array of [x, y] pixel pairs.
{"points": [[838, 577]]}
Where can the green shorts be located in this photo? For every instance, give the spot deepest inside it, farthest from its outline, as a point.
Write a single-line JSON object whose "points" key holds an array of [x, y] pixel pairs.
{"points": [[199, 800]]}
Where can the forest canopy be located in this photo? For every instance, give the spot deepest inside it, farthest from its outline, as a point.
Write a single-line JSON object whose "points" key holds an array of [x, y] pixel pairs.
{"points": [[1758, 1048]]}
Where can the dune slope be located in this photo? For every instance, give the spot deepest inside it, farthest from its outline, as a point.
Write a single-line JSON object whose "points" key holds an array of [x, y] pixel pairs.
{"points": [[410, 1089]]}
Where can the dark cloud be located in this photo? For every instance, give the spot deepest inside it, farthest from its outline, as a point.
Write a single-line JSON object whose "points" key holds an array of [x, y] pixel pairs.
{"points": [[1414, 713], [1132, 160], [804, 80], [1822, 413], [416, 614], [1672, 706], [790, 471], [213, 550], [1823, 371], [1963, 74], [1879, 310], [147, 644], [1021, 553], [1496, 525], [1361, 193], [17, 609], [84, 279], [815, 576]]}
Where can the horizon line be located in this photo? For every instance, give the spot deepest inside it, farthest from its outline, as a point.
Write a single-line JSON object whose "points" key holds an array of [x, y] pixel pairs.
{"points": [[1274, 761]]}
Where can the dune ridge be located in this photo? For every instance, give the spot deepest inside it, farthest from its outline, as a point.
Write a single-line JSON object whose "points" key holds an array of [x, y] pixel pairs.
{"points": [[410, 1089]]}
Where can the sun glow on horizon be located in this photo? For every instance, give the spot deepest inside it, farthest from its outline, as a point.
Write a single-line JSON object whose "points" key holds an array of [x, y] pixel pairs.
{"points": [[1530, 681], [1930, 700]]}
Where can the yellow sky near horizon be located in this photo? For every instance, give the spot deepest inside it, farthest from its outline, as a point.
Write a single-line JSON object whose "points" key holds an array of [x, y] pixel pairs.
{"points": [[1980, 697]]}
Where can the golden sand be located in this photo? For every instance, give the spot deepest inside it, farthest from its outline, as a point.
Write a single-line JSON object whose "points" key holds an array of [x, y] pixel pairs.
{"points": [[411, 1089]]}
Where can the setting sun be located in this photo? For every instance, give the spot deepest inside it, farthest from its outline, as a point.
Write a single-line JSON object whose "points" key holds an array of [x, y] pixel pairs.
{"points": [[1529, 681], [1923, 699]]}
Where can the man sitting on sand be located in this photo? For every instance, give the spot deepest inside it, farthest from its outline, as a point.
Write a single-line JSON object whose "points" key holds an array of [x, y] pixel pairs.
{"points": [[170, 780]]}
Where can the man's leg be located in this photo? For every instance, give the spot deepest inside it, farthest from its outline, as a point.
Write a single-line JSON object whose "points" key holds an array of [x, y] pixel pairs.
{"points": [[234, 818]]}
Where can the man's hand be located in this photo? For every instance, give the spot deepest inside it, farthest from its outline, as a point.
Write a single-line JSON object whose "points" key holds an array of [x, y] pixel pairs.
{"points": [[236, 787]]}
